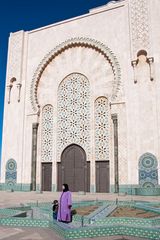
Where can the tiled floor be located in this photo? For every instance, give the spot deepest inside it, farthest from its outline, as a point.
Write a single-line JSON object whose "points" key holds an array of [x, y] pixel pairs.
{"points": [[17, 198], [27, 234], [43, 234]]}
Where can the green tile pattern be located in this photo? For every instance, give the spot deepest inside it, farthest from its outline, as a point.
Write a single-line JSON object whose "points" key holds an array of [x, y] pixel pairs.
{"points": [[126, 189], [54, 188], [8, 212], [16, 187], [92, 189], [24, 222], [148, 191], [109, 226], [137, 190]]}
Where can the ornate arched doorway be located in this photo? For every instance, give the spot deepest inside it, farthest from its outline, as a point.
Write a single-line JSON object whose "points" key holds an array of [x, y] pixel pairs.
{"points": [[74, 169]]}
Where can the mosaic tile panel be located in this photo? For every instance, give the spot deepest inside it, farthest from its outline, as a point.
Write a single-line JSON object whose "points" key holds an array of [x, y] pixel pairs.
{"points": [[74, 113], [22, 222], [148, 173], [11, 173], [47, 134], [101, 129]]}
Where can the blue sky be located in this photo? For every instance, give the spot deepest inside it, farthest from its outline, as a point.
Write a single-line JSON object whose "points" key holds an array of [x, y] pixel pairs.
{"points": [[27, 15]]}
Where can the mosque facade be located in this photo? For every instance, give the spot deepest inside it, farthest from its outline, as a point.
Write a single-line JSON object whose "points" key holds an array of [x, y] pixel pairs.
{"points": [[82, 103]]}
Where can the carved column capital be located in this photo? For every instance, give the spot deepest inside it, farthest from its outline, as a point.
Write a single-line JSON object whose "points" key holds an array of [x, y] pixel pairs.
{"points": [[19, 85], [150, 61], [35, 125], [34, 155], [9, 87], [115, 130], [134, 65], [114, 117]]}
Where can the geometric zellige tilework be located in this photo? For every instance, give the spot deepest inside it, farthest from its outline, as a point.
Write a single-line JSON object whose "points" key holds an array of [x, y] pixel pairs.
{"points": [[101, 129], [47, 134], [148, 172], [11, 173], [74, 113]]}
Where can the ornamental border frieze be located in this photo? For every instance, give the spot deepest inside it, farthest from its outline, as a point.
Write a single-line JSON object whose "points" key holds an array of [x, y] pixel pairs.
{"points": [[70, 43]]}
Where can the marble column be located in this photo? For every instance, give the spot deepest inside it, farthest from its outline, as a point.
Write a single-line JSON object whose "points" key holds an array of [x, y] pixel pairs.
{"points": [[116, 176], [34, 156]]}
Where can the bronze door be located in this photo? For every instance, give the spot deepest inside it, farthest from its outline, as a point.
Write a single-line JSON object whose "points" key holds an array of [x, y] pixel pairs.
{"points": [[74, 169], [46, 176], [102, 176]]}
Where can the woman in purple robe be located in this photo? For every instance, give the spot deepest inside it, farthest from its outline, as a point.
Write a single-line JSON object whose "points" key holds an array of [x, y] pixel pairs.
{"points": [[65, 204]]}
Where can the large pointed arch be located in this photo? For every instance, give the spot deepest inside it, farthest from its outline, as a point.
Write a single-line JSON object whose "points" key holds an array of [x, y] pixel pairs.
{"points": [[75, 42], [74, 169]]}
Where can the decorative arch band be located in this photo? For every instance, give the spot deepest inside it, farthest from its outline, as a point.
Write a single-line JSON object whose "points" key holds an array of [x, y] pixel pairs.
{"points": [[75, 42]]}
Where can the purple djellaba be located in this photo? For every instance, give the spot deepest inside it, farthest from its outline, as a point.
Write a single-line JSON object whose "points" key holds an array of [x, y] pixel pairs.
{"points": [[65, 204]]}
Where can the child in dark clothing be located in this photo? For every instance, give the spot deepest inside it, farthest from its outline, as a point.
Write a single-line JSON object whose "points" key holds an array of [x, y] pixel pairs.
{"points": [[55, 209]]}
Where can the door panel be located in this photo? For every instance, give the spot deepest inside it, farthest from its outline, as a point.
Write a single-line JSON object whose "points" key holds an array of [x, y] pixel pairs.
{"points": [[73, 162], [46, 176], [102, 176]]}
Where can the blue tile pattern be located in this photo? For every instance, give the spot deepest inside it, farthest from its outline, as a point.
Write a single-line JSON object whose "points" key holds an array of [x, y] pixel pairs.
{"points": [[148, 173], [11, 174]]}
